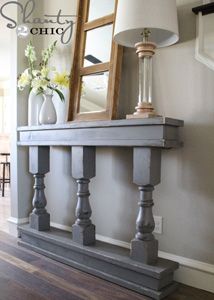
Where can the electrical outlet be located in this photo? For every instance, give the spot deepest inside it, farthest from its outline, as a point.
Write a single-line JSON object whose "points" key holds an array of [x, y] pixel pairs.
{"points": [[158, 225]]}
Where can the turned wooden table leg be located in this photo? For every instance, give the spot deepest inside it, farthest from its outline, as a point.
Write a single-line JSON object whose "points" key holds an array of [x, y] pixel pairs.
{"points": [[39, 166], [83, 169], [147, 167]]}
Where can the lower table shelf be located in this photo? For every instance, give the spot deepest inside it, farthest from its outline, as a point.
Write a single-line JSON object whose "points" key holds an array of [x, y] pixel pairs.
{"points": [[106, 261]]}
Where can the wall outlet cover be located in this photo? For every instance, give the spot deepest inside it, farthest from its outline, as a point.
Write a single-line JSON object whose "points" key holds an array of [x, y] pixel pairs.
{"points": [[158, 224]]}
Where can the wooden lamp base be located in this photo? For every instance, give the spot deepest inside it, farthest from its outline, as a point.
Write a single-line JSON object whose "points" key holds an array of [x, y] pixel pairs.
{"points": [[145, 52], [143, 110]]}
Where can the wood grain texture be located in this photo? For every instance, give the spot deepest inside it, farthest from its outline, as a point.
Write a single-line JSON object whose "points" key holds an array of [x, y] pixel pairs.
{"points": [[25, 275], [102, 67], [106, 20], [79, 45], [78, 70]]}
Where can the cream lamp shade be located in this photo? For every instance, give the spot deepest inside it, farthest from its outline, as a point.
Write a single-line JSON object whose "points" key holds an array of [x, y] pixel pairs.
{"points": [[159, 16]]}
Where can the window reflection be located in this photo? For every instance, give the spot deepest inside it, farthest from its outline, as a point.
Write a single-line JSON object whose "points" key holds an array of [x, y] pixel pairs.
{"points": [[98, 45], [100, 8], [94, 91]]}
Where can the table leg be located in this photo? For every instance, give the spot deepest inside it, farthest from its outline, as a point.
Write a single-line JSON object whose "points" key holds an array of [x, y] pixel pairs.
{"points": [[147, 167], [39, 166], [83, 169]]}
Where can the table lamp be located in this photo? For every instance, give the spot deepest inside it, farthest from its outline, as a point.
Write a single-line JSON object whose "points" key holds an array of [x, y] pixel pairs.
{"points": [[146, 25]]}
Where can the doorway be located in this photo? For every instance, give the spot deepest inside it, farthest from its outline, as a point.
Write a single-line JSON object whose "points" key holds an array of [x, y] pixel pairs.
{"points": [[5, 126], [4, 154]]}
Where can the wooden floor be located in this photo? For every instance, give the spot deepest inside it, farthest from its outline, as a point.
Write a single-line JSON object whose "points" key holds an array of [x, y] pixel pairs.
{"points": [[25, 275]]}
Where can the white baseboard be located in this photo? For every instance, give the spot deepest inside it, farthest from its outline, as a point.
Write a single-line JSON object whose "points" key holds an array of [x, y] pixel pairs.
{"points": [[18, 221], [13, 224], [106, 239], [62, 227], [191, 272]]}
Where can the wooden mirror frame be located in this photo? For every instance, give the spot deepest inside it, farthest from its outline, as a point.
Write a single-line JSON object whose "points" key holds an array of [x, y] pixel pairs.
{"points": [[78, 70]]}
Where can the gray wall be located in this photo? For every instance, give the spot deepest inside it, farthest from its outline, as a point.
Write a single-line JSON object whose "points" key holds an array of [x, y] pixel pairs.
{"points": [[20, 179], [184, 89]]}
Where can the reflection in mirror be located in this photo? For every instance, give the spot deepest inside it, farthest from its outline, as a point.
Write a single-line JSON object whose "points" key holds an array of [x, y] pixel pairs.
{"points": [[209, 35], [98, 45], [97, 63], [94, 92], [100, 8]]}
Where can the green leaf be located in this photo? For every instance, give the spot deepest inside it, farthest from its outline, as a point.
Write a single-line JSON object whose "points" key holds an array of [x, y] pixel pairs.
{"points": [[60, 94]]}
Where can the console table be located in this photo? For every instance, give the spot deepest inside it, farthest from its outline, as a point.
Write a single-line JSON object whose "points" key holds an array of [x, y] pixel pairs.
{"points": [[140, 269]]}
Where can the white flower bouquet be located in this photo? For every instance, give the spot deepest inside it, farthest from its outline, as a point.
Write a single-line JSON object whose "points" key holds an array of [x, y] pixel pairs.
{"points": [[44, 80]]}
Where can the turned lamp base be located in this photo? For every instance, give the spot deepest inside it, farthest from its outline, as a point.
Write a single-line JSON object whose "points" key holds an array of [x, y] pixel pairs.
{"points": [[145, 51], [142, 116], [143, 110]]}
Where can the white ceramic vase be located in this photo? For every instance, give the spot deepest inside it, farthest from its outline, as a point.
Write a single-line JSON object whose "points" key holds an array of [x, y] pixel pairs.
{"points": [[34, 105], [47, 113]]}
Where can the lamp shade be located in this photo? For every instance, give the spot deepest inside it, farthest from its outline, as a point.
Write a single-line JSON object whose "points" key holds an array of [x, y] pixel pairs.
{"points": [[159, 16]]}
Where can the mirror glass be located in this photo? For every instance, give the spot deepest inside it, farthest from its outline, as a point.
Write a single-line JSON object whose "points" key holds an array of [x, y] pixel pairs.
{"points": [[100, 8], [98, 45], [209, 35], [94, 91]]}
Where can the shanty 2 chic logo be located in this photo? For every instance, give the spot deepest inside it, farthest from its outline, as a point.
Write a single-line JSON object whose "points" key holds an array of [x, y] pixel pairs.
{"points": [[59, 24]]}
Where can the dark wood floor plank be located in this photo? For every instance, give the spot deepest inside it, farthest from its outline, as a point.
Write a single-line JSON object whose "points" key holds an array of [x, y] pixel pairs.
{"points": [[102, 289], [38, 286], [15, 251], [189, 293], [11, 290], [98, 288], [86, 286], [25, 275], [81, 286]]}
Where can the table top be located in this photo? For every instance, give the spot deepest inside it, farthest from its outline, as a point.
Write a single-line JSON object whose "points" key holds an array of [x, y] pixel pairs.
{"points": [[152, 132], [105, 124]]}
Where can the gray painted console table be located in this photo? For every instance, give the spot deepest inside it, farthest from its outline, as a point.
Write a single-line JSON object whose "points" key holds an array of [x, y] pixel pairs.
{"points": [[140, 269]]}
